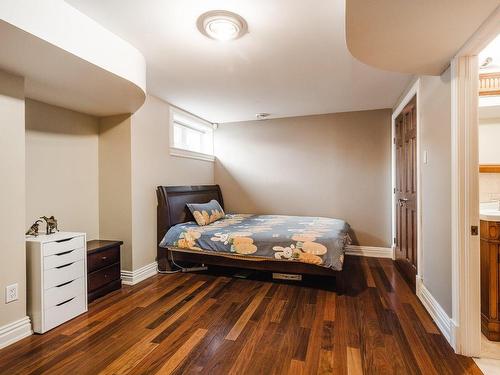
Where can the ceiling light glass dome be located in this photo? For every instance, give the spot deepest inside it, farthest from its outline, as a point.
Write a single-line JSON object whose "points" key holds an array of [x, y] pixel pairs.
{"points": [[222, 25]]}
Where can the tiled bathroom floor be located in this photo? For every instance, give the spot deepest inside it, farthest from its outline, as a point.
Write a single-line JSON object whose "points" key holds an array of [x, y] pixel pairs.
{"points": [[489, 363]]}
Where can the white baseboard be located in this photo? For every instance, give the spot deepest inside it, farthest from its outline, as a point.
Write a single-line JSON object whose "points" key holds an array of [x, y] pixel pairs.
{"points": [[437, 313], [369, 251], [15, 331], [134, 277]]}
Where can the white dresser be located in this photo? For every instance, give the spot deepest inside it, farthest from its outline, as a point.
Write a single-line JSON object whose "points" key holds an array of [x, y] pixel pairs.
{"points": [[56, 278]]}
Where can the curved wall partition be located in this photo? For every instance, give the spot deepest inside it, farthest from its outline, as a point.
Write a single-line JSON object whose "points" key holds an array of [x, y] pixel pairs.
{"points": [[69, 60], [417, 37]]}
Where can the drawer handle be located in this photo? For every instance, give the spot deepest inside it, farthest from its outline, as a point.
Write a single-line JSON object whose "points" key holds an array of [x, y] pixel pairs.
{"points": [[62, 303], [65, 265], [64, 240], [63, 284], [66, 252], [104, 258]]}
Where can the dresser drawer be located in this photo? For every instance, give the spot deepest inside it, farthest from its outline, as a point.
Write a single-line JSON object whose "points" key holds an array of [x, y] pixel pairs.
{"points": [[104, 276], [60, 259], [61, 246], [64, 292], [64, 311], [103, 258], [63, 274]]}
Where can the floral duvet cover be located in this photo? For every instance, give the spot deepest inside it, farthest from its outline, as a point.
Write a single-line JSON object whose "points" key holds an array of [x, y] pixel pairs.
{"points": [[315, 240]]}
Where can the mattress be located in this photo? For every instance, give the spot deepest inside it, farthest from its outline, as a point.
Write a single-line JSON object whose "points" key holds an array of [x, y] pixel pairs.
{"points": [[315, 240]]}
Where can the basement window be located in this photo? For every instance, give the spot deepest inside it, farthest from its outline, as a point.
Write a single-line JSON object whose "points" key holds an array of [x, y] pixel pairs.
{"points": [[190, 136]]}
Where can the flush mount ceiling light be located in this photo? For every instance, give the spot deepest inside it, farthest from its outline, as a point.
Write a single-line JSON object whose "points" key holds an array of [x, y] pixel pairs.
{"points": [[221, 25]]}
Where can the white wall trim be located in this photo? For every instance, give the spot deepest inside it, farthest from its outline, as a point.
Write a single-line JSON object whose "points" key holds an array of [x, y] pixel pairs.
{"points": [[179, 152], [134, 277], [15, 331], [369, 251], [465, 207], [437, 313], [465, 196], [413, 91]]}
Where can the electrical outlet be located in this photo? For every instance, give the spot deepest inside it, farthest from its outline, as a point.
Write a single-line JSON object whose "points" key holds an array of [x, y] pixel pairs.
{"points": [[11, 293]]}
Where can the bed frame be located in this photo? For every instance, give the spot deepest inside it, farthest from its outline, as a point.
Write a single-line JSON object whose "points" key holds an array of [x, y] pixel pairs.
{"points": [[172, 210]]}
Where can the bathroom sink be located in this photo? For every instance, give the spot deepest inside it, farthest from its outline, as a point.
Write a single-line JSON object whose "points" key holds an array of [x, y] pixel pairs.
{"points": [[489, 214], [489, 211]]}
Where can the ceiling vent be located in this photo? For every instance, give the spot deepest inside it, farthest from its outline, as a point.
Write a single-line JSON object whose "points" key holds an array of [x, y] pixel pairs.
{"points": [[262, 116]]}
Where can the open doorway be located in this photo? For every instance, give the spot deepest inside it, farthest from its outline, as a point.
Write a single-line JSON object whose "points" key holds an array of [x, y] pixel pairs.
{"points": [[465, 198], [489, 199]]}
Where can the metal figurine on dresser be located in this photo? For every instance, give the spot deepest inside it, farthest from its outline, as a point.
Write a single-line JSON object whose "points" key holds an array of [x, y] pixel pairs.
{"points": [[33, 231], [51, 224]]}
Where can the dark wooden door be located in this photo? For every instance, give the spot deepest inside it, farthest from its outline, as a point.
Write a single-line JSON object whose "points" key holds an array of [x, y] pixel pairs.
{"points": [[406, 192]]}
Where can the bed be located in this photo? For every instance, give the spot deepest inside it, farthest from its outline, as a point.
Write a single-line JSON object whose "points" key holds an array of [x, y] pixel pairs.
{"points": [[281, 244]]}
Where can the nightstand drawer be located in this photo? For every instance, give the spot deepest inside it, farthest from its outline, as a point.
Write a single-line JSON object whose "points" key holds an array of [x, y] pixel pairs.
{"points": [[64, 292], [63, 274], [61, 246], [102, 277], [103, 258], [64, 311], [69, 256]]}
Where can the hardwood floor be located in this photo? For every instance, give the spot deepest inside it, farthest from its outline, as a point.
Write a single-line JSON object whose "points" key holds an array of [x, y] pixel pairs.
{"points": [[215, 324]]}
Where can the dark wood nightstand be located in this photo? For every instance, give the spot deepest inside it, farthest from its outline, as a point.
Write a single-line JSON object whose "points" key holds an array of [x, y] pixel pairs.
{"points": [[103, 268]]}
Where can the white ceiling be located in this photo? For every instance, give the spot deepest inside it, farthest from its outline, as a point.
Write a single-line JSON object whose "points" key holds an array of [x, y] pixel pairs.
{"points": [[492, 50], [294, 60]]}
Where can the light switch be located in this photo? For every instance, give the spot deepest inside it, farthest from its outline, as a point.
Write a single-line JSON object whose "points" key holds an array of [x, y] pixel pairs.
{"points": [[426, 157]]}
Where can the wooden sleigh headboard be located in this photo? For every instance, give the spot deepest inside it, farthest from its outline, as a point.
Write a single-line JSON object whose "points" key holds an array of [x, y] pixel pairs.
{"points": [[172, 210]]}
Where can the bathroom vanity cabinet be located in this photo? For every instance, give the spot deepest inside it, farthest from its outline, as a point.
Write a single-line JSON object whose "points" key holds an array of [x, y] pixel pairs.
{"points": [[490, 279]]}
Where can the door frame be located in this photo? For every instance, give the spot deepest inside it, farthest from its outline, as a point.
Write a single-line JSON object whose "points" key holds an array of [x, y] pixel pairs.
{"points": [[466, 303], [414, 91]]}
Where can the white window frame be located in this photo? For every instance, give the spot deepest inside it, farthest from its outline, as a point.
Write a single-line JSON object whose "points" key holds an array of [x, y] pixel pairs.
{"points": [[190, 121]]}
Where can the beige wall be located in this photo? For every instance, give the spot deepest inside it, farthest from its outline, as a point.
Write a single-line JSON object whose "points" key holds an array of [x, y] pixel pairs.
{"points": [[435, 115], [489, 141], [134, 159], [434, 106], [489, 153], [335, 165], [12, 196], [115, 200], [489, 187], [99, 175], [62, 167], [152, 166]]}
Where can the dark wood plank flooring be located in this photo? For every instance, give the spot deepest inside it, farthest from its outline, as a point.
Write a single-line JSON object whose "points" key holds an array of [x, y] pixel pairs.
{"points": [[215, 324]]}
